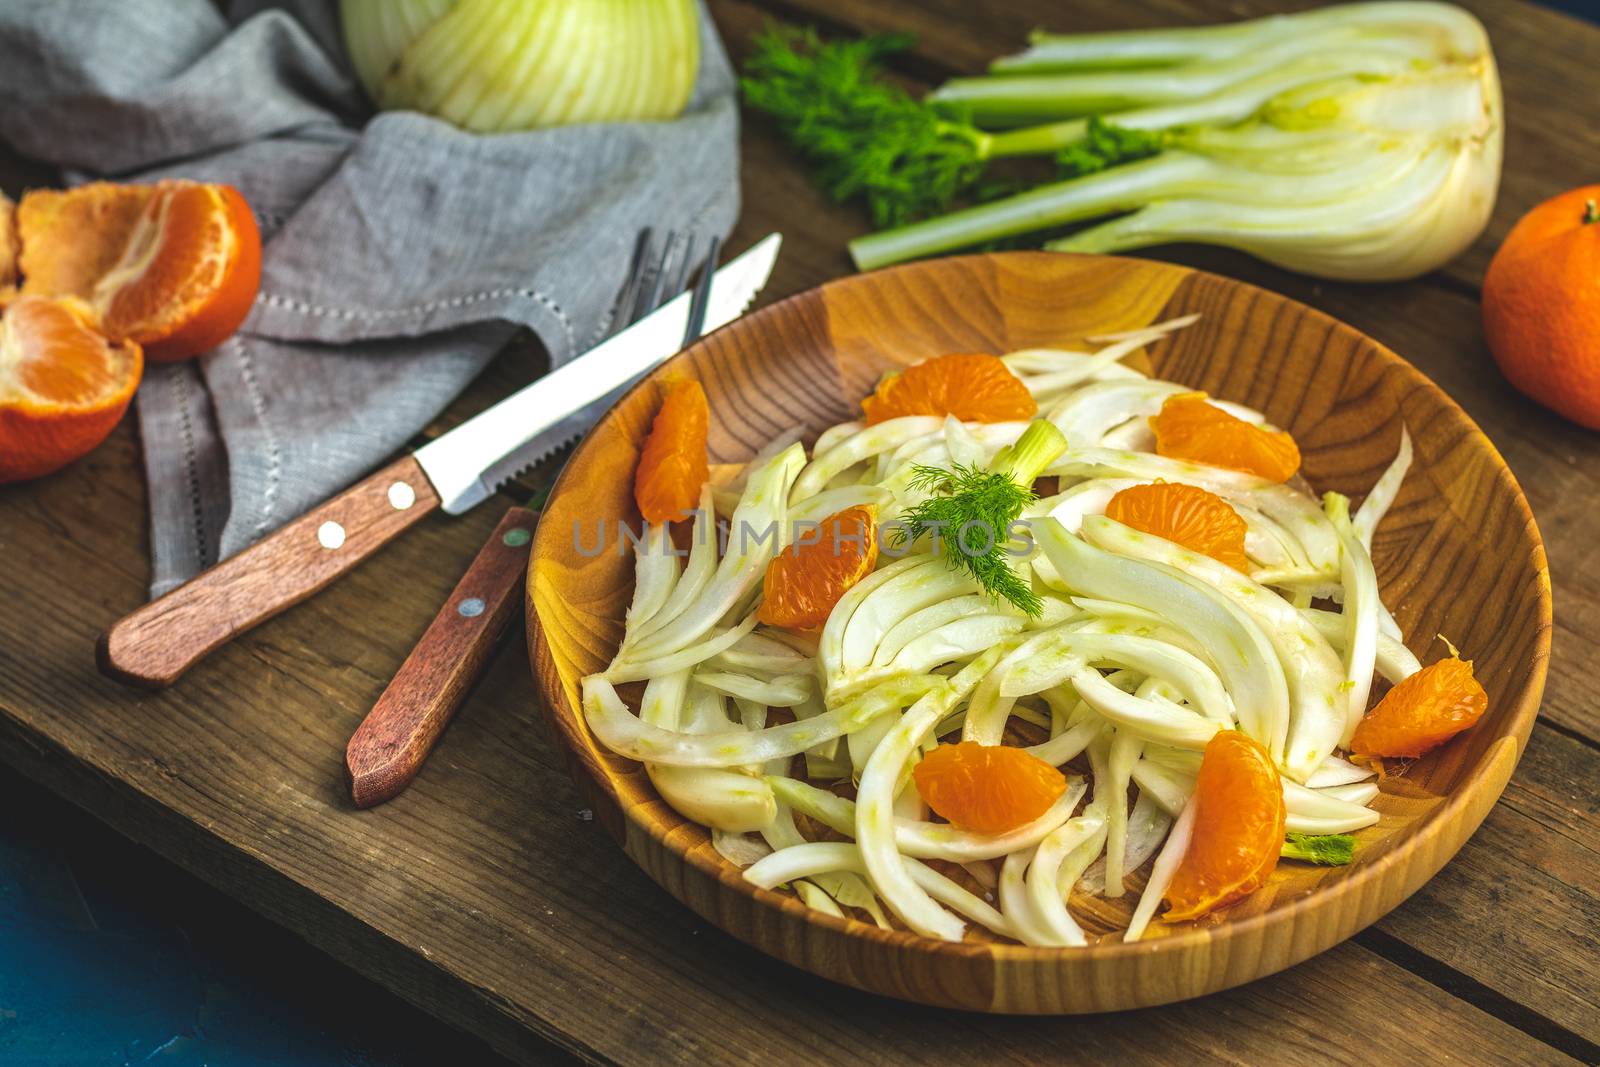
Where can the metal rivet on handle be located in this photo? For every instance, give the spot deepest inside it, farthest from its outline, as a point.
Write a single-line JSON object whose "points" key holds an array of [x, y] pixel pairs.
{"points": [[330, 535], [517, 536], [402, 496], [470, 607]]}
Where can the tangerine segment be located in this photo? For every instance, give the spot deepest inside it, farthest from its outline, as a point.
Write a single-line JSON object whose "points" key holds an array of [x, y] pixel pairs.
{"points": [[987, 788], [972, 387], [672, 464], [62, 385], [71, 238], [1188, 427], [174, 266], [1238, 829], [1422, 712], [1185, 515], [806, 580]]}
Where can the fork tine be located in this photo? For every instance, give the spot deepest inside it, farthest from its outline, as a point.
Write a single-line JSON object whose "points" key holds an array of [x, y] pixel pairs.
{"points": [[649, 272], [680, 273], [653, 293], [622, 311], [702, 294]]}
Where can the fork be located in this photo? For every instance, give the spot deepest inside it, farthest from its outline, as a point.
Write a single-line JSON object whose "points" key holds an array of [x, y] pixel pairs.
{"points": [[389, 747]]}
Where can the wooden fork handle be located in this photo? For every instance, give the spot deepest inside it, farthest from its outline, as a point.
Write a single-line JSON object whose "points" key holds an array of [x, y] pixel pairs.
{"points": [[157, 643], [390, 745]]}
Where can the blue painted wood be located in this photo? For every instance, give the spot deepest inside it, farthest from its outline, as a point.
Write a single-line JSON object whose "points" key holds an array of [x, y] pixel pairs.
{"points": [[110, 956], [1589, 9]]}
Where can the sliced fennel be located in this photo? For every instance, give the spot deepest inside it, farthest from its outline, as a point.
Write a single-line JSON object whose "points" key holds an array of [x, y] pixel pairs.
{"points": [[799, 861], [1318, 705], [875, 796], [1166, 866], [725, 800], [1148, 824], [1141, 651], [755, 531], [1361, 607], [1331, 850], [1044, 894], [1237, 648], [1384, 490], [689, 583]]}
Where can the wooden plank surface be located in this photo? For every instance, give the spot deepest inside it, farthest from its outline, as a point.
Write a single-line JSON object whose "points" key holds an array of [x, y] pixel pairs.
{"points": [[484, 896], [476, 890]]}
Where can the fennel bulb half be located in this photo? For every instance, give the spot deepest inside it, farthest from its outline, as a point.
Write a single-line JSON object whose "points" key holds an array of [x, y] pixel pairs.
{"points": [[494, 66], [1359, 141]]}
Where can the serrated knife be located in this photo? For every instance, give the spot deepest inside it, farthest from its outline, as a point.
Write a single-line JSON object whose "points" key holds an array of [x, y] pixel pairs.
{"points": [[393, 741], [153, 646]]}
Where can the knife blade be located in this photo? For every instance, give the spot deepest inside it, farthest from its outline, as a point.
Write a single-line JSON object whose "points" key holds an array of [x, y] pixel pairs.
{"points": [[154, 645], [390, 746], [459, 464]]}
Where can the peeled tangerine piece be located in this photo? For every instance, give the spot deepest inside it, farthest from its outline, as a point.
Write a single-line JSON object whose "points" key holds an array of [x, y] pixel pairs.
{"points": [[173, 266], [806, 580], [987, 788], [672, 464], [1422, 712], [1238, 828], [970, 386], [1185, 515], [63, 386], [1190, 427]]}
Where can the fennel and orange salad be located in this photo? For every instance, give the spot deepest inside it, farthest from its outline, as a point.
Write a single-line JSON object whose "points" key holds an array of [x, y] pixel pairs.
{"points": [[1035, 628]]}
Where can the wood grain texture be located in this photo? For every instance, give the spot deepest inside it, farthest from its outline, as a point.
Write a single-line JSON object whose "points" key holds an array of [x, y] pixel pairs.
{"points": [[483, 896], [1458, 554], [1521, 907], [389, 747], [474, 894], [155, 645]]}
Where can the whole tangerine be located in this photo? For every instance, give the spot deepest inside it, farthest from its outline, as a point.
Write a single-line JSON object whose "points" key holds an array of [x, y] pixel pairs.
{"points": [[1541, 305]]}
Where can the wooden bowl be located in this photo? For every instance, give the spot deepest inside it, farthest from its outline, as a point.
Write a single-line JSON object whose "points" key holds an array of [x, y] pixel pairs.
{"points": [[1458, 554]]}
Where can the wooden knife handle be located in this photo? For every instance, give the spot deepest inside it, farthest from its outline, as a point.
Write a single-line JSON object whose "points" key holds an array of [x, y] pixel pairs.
{"points": [[388, 748], [157, 643]]}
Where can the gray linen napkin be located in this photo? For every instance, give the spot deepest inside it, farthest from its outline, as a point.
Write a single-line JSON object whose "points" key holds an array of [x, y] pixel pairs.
{"points": [[399, 252]]}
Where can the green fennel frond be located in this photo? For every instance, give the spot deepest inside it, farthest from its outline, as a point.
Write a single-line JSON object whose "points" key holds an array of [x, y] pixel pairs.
{"points": [[1107, 145], [863, 135], [1329, 850]]}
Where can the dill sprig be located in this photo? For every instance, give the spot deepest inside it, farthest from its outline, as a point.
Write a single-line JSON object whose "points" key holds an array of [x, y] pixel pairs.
{"points": [[1329, 850], [977, 507], [971, 510]]}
